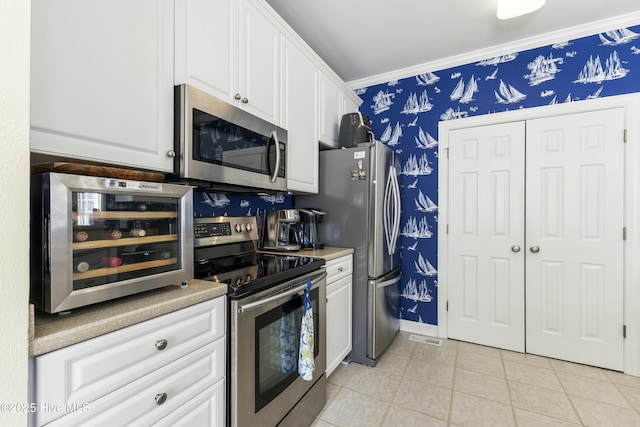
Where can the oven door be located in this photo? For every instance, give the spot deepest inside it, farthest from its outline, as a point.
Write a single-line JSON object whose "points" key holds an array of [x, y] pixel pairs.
{"points": [[265, 331]]}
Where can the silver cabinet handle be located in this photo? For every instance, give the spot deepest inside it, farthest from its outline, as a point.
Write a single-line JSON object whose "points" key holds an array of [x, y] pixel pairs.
{"points": [[245, 100], [515, 248], [171, 154], [161, 344], [237, 96], [534, 249], [340, 269], [161, 398]]}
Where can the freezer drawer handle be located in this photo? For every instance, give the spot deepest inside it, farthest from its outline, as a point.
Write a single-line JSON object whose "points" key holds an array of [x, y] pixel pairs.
{"points": [[388, 282]]}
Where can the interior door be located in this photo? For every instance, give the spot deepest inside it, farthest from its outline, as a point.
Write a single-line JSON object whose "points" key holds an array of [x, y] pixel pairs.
{"points": [[486, 235], [574, 262]]}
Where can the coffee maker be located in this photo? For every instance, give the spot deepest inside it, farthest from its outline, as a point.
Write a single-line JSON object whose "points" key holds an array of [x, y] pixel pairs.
{"points": [[280, 230], [308, 228]]}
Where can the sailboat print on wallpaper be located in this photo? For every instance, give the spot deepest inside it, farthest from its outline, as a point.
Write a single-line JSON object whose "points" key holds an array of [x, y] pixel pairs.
{"points": [[462, 93], [389, 137], [424, 267], [424, 203], [427, 78], [413, 230], [417, 293], [382, 102], [424, 140], [412, 106], [542, 69], [508, 94], [414, 168], [616, 37], [593, 72]]}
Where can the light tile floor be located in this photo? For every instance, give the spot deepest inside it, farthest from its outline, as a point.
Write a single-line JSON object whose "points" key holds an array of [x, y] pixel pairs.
{"points": [[462, 384]]}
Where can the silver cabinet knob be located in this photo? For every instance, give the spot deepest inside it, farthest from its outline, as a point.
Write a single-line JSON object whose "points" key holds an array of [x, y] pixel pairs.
{"points": [[534, 249], [171, 154], [237, 96], [161, 344], [245, 100], [340, 269], [515, 248], [161, 398]]}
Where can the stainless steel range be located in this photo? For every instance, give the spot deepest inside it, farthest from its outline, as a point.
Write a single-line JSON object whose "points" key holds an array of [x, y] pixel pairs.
{"points": [[266, 303]]}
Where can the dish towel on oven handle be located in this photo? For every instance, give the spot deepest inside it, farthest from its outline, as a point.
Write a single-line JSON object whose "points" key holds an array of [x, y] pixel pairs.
{"points": [[306, 364]]}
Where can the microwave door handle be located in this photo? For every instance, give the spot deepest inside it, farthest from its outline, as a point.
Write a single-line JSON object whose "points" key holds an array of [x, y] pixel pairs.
{"points": [[274, 135]]}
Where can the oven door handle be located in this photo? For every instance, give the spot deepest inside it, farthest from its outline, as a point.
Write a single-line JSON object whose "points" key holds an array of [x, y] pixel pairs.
{"points": [[252, 305]]}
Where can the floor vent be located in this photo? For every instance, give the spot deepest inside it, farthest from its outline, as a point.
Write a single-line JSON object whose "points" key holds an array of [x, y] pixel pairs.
{"points": [[425, 340]]}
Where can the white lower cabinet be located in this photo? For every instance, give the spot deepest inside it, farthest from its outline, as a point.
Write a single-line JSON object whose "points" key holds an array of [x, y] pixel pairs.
{"points": [[137, 375], [339, 310]]}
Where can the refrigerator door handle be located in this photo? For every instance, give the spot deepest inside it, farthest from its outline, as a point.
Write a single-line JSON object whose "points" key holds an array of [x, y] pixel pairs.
{"points": [[396, 200], [388, 220]]}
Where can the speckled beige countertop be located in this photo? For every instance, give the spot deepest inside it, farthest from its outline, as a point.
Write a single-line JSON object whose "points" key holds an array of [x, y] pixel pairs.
{"points": [[328, 253], [49, 332]]}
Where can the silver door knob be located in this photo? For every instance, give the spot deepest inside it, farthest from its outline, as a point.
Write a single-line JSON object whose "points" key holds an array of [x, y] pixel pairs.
{"points": [[534, 249], [515, 248], [245, 100], [237, 96], [171, 153]]}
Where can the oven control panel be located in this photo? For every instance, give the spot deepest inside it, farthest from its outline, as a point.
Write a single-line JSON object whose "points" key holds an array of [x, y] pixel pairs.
{"points": [[224, 229]]}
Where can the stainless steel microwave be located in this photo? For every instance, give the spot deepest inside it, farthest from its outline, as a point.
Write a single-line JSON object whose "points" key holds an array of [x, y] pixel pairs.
{"points": [[218, 143]]}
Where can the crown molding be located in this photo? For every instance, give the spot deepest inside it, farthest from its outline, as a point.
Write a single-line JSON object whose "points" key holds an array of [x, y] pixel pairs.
{"points": [[511, 47]]}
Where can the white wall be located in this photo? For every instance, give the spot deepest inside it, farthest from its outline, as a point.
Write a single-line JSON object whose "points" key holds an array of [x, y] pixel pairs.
{"points": [[15, 17]]}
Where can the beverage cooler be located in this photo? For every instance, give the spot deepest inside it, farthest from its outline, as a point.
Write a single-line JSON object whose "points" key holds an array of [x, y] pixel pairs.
{"points": [[95, 239]]}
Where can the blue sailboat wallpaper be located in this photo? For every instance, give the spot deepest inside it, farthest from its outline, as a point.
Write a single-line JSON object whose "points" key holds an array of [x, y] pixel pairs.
{"points": [[405, 115]]}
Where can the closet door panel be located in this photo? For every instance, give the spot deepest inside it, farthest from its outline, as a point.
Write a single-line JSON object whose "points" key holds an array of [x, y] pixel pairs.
{"points": [[486, 228], [574, 262]]}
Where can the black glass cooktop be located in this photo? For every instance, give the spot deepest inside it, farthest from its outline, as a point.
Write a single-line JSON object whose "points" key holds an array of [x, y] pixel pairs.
{"points": [[252, 272]]}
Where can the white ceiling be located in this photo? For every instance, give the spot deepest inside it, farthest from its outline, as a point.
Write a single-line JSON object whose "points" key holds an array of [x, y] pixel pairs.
{"points": [[364, 38]]}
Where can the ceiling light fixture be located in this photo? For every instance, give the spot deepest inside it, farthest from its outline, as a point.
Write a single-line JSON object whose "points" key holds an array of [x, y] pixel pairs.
{"points": [[508, 9]]}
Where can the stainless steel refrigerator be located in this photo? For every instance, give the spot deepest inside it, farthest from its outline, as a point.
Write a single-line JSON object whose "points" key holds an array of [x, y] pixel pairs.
{"points": [[360, 193]]}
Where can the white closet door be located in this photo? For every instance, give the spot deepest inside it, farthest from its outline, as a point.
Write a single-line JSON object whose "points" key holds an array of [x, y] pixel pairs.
{"points": [[486, 235], [574, 262]]}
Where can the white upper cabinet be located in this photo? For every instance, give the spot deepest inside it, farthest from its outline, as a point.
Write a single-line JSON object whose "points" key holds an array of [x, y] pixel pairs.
{"points": [[101, 81], [331, 110], [298, 116], [229, 48], [259, 85]]}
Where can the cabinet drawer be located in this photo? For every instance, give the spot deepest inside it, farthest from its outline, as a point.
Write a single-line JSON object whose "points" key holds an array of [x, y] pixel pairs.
{"points": [[207, 409], [154, 396], [85, 371], [339, 268]]}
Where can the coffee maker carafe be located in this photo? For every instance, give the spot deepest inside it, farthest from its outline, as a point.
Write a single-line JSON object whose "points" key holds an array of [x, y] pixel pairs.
{"points": [[280, 230], [308, 228]]}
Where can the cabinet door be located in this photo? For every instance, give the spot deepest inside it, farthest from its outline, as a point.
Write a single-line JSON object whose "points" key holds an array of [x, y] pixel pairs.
{"points": [[299, 114], [259, 87], [102, 81], [339, 321], [331, 108], [350, 106], [206, 46]]}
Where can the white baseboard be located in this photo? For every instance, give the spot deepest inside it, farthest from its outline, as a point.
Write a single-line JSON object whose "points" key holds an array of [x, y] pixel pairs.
{"points": [[419, 328]]}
